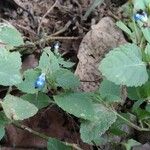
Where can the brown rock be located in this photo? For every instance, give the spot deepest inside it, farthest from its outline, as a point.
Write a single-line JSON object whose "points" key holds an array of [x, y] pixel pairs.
{"points": [[103, 37]]}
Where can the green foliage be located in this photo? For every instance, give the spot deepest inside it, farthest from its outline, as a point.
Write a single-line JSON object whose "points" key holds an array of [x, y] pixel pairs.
{"points": [[2, 132], [146, 33], [102, 120], [17, 109], [124, 65], [110, 92], [141, 92], [40, 100], [78, 104], [147, 53], [28, 85], [123, 27], [10, 64], [66, 79], [9, 35], [54, 144], [48, 61], [130, 143]]}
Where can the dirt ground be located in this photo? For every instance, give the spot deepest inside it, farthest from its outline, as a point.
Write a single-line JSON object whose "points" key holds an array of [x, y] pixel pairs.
{"points": [[36, 19]]}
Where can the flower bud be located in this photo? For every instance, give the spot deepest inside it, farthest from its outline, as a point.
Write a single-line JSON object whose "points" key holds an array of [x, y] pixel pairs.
{"points": [[40, 81], [141, 16]]}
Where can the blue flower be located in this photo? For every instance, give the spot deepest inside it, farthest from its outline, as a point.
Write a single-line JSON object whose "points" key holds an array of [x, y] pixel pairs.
{"points": [[141, 16], [40, 81]]}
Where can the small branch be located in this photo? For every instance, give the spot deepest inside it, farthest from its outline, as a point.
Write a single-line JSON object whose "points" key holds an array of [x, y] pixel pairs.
{"points": [[30, 47], [63, 29], [48, 11], [132, 124], [43, 136]]}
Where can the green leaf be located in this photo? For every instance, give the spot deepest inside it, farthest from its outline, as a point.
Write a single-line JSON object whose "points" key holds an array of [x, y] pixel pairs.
{"points": [[103, 119], [28, 85], [40, 100], [146, 33], [54, 144], [65, 64], [110, 92], [78, 104], [3, 120], [17, 109], [2, 132], [123, 65], [147, 53], [137, 104], [66, 79], [139, 4], [141, 92], [130, 143], [10, 35], [10, 64], [142, 114], [123, 27], [148, 107], [48, 61]]}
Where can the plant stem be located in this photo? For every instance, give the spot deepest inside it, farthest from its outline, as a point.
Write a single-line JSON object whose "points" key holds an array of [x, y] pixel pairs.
{"points": [[43, 136], [132, 124], [30, 47]]}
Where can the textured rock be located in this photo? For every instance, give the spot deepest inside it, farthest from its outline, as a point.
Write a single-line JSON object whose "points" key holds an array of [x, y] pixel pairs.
{"points": [[97, 42]]}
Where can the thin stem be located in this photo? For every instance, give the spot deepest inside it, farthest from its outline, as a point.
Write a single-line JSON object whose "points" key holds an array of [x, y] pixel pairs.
{"points": [[48, 11], [30, 47], [43, 136], [132, 124]]}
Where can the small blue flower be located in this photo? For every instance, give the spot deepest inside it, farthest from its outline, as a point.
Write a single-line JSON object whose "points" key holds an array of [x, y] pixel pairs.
{"points": [[141, 16], [40, 81], [56, 46]]}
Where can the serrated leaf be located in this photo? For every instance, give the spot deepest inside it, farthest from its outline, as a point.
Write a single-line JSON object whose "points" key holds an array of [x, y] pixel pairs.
{"points": [[48, 61], [17, 109], [110, 92], [41, 100], [10, 64], [54, 144], [66, 79], [123, 27], [103, 119], [2, 132], [78, 104], [28, 85], [10, 35], [141, 92], [65, 64], [123, 65]]}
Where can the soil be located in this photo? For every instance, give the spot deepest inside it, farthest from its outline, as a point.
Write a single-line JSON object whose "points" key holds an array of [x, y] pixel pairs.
{"points": [[26, 16]]}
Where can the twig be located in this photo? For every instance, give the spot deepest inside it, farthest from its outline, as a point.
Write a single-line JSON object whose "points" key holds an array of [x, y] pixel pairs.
{"points": [[63, 29], [43, 136], [48, 11], [30, 47], [132, 124]]}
